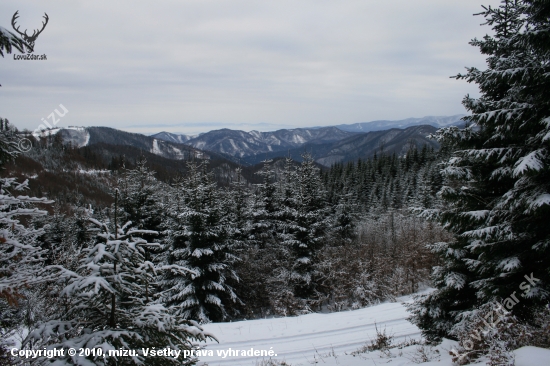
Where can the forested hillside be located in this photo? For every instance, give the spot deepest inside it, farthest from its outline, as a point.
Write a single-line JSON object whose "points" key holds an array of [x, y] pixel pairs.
{"points": [[69, 174], [358, 146], [284, 238]]}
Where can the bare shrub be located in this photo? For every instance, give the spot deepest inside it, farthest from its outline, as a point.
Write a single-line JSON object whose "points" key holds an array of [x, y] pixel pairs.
{"points": [[271, 362], [386, 259], [382, 342], [389, 258]]}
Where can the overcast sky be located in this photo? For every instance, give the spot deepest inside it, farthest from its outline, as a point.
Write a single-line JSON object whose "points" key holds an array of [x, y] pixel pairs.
{"points": [[195, 65]]}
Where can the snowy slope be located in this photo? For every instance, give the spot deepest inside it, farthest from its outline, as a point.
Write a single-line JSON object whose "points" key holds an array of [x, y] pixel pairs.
{"points": [[173, 137], [330, 340], [78, 136]]}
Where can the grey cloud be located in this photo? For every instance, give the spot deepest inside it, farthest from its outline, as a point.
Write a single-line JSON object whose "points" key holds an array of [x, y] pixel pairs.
{"points": [[230, 63]]}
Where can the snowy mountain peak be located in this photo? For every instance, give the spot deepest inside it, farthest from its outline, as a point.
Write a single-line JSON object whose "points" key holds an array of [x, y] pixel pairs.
{"points": [[246, 145], [237, 143]]}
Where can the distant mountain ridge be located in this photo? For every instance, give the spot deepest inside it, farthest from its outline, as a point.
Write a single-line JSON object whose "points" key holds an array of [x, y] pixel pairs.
{"points": [[441, 121], [359, 146], [378, 125], [240, 144], [328, 144], [85, 136]]}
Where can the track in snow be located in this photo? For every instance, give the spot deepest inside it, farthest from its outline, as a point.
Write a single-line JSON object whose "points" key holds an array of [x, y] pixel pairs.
{"points": [[297, 340]]}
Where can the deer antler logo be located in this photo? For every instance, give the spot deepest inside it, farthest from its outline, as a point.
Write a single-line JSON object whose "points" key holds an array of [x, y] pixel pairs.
{"points": [[29, 39]]}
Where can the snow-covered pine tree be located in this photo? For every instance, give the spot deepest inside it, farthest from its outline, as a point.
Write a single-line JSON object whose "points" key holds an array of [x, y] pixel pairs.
{"points": [[21, 257], [9, 142], [497, 181], [110, 305], [8, 41], [174, 281], [238, 209], [309, 228], [19, 251], [142, 201], [55, 236], [201, 244], [63, 242], [79, 227], [344, 220], [282, 284], [140, 197], [265, 207]]}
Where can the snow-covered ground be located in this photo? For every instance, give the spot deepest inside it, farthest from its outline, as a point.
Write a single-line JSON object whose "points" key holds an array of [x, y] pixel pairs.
{"points": [[330, 339], [298, 340]]}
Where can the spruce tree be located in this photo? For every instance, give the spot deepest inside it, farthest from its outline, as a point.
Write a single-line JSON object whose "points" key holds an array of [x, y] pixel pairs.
{"points": [[21, 257], [265, 207], [202, 245], [344, 220], [309, 227], [140, 197], [142, 202], [497, 181], [109, 304]]}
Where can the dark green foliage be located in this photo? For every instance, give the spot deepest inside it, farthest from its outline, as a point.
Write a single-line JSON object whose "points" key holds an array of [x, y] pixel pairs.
{"points": [[141, 197], [201, 244], [386, 181], [108, 302], [497, 180], [9, 41], [9, 148], [308, 227]]}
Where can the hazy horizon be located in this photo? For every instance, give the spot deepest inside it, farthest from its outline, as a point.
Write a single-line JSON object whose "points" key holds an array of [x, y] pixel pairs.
{"points": [[194, 66]]}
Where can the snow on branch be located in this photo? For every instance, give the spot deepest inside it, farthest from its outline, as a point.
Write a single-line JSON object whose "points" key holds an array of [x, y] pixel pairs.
{"points": [[533, 161]]}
